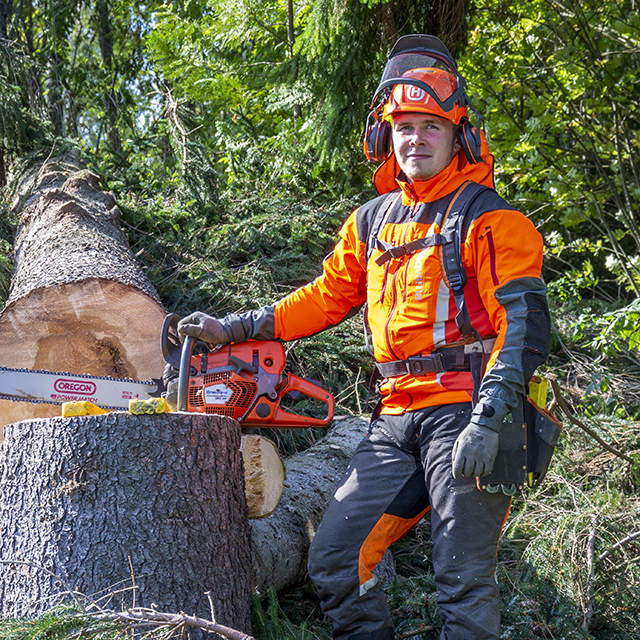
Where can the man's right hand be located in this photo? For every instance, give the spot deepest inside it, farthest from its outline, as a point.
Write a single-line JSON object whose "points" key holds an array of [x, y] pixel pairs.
{"points": [[170, 380], [204, 327]]}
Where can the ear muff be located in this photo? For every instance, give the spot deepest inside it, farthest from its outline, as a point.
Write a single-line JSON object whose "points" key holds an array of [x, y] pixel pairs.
{"points": [[471, 142], [377, 138]]}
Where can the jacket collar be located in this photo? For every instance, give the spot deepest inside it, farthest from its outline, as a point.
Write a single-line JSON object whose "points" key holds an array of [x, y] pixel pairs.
{"points": [[447, 181]]}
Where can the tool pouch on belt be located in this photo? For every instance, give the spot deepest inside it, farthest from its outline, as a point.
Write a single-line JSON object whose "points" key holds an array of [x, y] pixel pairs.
{"points": [[528, 438], [543, 431]]}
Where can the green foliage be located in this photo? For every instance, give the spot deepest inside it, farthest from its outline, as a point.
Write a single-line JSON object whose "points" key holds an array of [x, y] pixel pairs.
{"points": [[616, 330], [6, 263], [60, 623], [557, 83], [287, 86], [291, 616], [245, 253], [22, 125]]}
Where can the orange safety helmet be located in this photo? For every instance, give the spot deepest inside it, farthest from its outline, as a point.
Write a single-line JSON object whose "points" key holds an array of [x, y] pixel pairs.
{"points": [[421, 76], [411, 98]]}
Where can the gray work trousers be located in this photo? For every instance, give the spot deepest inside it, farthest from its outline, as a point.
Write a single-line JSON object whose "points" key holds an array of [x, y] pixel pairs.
{"points": [[400, 470]]}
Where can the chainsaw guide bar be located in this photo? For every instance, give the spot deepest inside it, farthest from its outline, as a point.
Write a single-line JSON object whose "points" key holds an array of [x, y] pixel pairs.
{"points": [[49, 387]]}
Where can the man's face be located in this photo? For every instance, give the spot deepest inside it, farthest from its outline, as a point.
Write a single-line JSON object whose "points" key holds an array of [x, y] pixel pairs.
{"points": [[424, 144]]}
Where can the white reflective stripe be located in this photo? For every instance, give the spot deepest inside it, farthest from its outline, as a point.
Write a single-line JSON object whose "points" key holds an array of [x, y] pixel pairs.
{"points": [[369, 584], [442, 314]]}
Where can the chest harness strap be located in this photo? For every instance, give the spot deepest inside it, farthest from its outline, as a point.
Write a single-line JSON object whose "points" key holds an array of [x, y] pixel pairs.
{"points": [[471, 355]]}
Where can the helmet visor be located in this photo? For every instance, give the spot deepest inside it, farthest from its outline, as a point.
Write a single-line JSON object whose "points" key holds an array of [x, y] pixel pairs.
{"points": [[421, 52]]}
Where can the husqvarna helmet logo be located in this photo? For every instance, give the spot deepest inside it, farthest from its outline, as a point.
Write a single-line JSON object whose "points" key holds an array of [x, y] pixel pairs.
{"points": [[415, 94]]}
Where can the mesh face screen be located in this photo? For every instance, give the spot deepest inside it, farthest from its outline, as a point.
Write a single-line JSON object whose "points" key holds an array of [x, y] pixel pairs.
{"points": [[397, 66]]}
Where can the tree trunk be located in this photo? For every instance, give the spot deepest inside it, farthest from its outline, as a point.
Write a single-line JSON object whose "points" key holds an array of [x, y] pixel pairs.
{"points": [[280, 542], [79, 302], [148, 508], [102, 19], [4, 17]]}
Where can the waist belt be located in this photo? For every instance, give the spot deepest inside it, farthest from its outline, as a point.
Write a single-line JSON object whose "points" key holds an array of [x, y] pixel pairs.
{"points": [[446, 359]]}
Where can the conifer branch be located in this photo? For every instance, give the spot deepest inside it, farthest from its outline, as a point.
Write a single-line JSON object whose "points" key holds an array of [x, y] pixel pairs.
{"points": [[563, 406], [617, 545], [176, 621]]}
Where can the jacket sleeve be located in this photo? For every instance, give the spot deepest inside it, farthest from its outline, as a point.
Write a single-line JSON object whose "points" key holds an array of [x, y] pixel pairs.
{"points": [[507, 251], [330, 298]]}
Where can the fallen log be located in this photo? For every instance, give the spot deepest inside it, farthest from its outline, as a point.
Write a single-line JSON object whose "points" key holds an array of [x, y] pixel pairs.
{"points": [[128, 510], [280, 542], [79, 302]]}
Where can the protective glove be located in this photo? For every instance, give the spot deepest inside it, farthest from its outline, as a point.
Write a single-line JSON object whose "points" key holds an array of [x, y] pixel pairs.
{"points": [[252, 325], [206, 328], [170, 381], [474, 451]]}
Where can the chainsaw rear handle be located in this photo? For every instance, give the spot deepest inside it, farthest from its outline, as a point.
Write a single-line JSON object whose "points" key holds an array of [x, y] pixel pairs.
{"points": [[183, 374], [285, 419]]}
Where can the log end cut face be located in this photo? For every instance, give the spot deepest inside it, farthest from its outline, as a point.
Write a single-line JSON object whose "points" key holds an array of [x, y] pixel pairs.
{"points": [[264, 475], [94, 327]]}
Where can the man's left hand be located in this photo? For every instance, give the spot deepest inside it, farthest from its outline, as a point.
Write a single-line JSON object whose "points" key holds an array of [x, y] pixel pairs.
{"points": [[474, 451]]}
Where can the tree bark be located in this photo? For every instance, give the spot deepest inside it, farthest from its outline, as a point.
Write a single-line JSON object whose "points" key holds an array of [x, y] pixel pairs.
{"points": [[79, 302], [128, 510], [280, 542]]}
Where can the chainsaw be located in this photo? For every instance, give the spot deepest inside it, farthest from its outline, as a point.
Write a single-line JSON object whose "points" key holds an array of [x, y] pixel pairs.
{"points": [[245, 381]]}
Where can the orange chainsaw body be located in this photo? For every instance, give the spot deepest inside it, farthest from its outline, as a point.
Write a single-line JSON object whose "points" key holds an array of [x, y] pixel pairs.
{"points": [[247, 381]]}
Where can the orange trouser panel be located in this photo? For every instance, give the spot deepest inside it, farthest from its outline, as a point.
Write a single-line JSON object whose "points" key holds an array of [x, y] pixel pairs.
{"points": [[388, 529]]}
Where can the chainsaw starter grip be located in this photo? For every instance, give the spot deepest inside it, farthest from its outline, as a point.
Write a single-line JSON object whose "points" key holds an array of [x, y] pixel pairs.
{"points": [[183, 376]]}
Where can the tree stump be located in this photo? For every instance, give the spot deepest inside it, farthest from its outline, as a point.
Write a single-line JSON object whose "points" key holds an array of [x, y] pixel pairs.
{"points": [[149, 509], [79, 302]]}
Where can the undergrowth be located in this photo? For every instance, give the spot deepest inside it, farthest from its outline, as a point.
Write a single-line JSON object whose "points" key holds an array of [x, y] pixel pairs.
{"points": [[244, 253]]}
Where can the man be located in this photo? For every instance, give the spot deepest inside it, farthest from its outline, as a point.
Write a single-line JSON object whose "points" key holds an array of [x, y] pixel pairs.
{"points": [[427, 442]]}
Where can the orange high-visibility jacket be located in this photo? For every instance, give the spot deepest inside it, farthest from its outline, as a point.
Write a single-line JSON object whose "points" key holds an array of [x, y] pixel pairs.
{"points": [[411, 311]]}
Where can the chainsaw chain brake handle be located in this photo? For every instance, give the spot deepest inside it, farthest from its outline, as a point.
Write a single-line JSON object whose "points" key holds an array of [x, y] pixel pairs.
{"points": [[170, 340]]}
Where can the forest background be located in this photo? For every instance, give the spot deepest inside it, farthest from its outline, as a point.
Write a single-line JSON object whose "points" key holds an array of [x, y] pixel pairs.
{"points": [[231, 134]]}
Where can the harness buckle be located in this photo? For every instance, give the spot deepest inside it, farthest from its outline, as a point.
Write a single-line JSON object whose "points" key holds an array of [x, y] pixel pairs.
{"points": [[421, 366]]}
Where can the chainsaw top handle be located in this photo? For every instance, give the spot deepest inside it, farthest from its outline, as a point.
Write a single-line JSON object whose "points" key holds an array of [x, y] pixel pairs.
{"points": [[183, 375]]}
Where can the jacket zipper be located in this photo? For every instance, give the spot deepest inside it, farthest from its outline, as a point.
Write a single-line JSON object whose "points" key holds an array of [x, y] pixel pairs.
{"points": [[394, 289]]}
